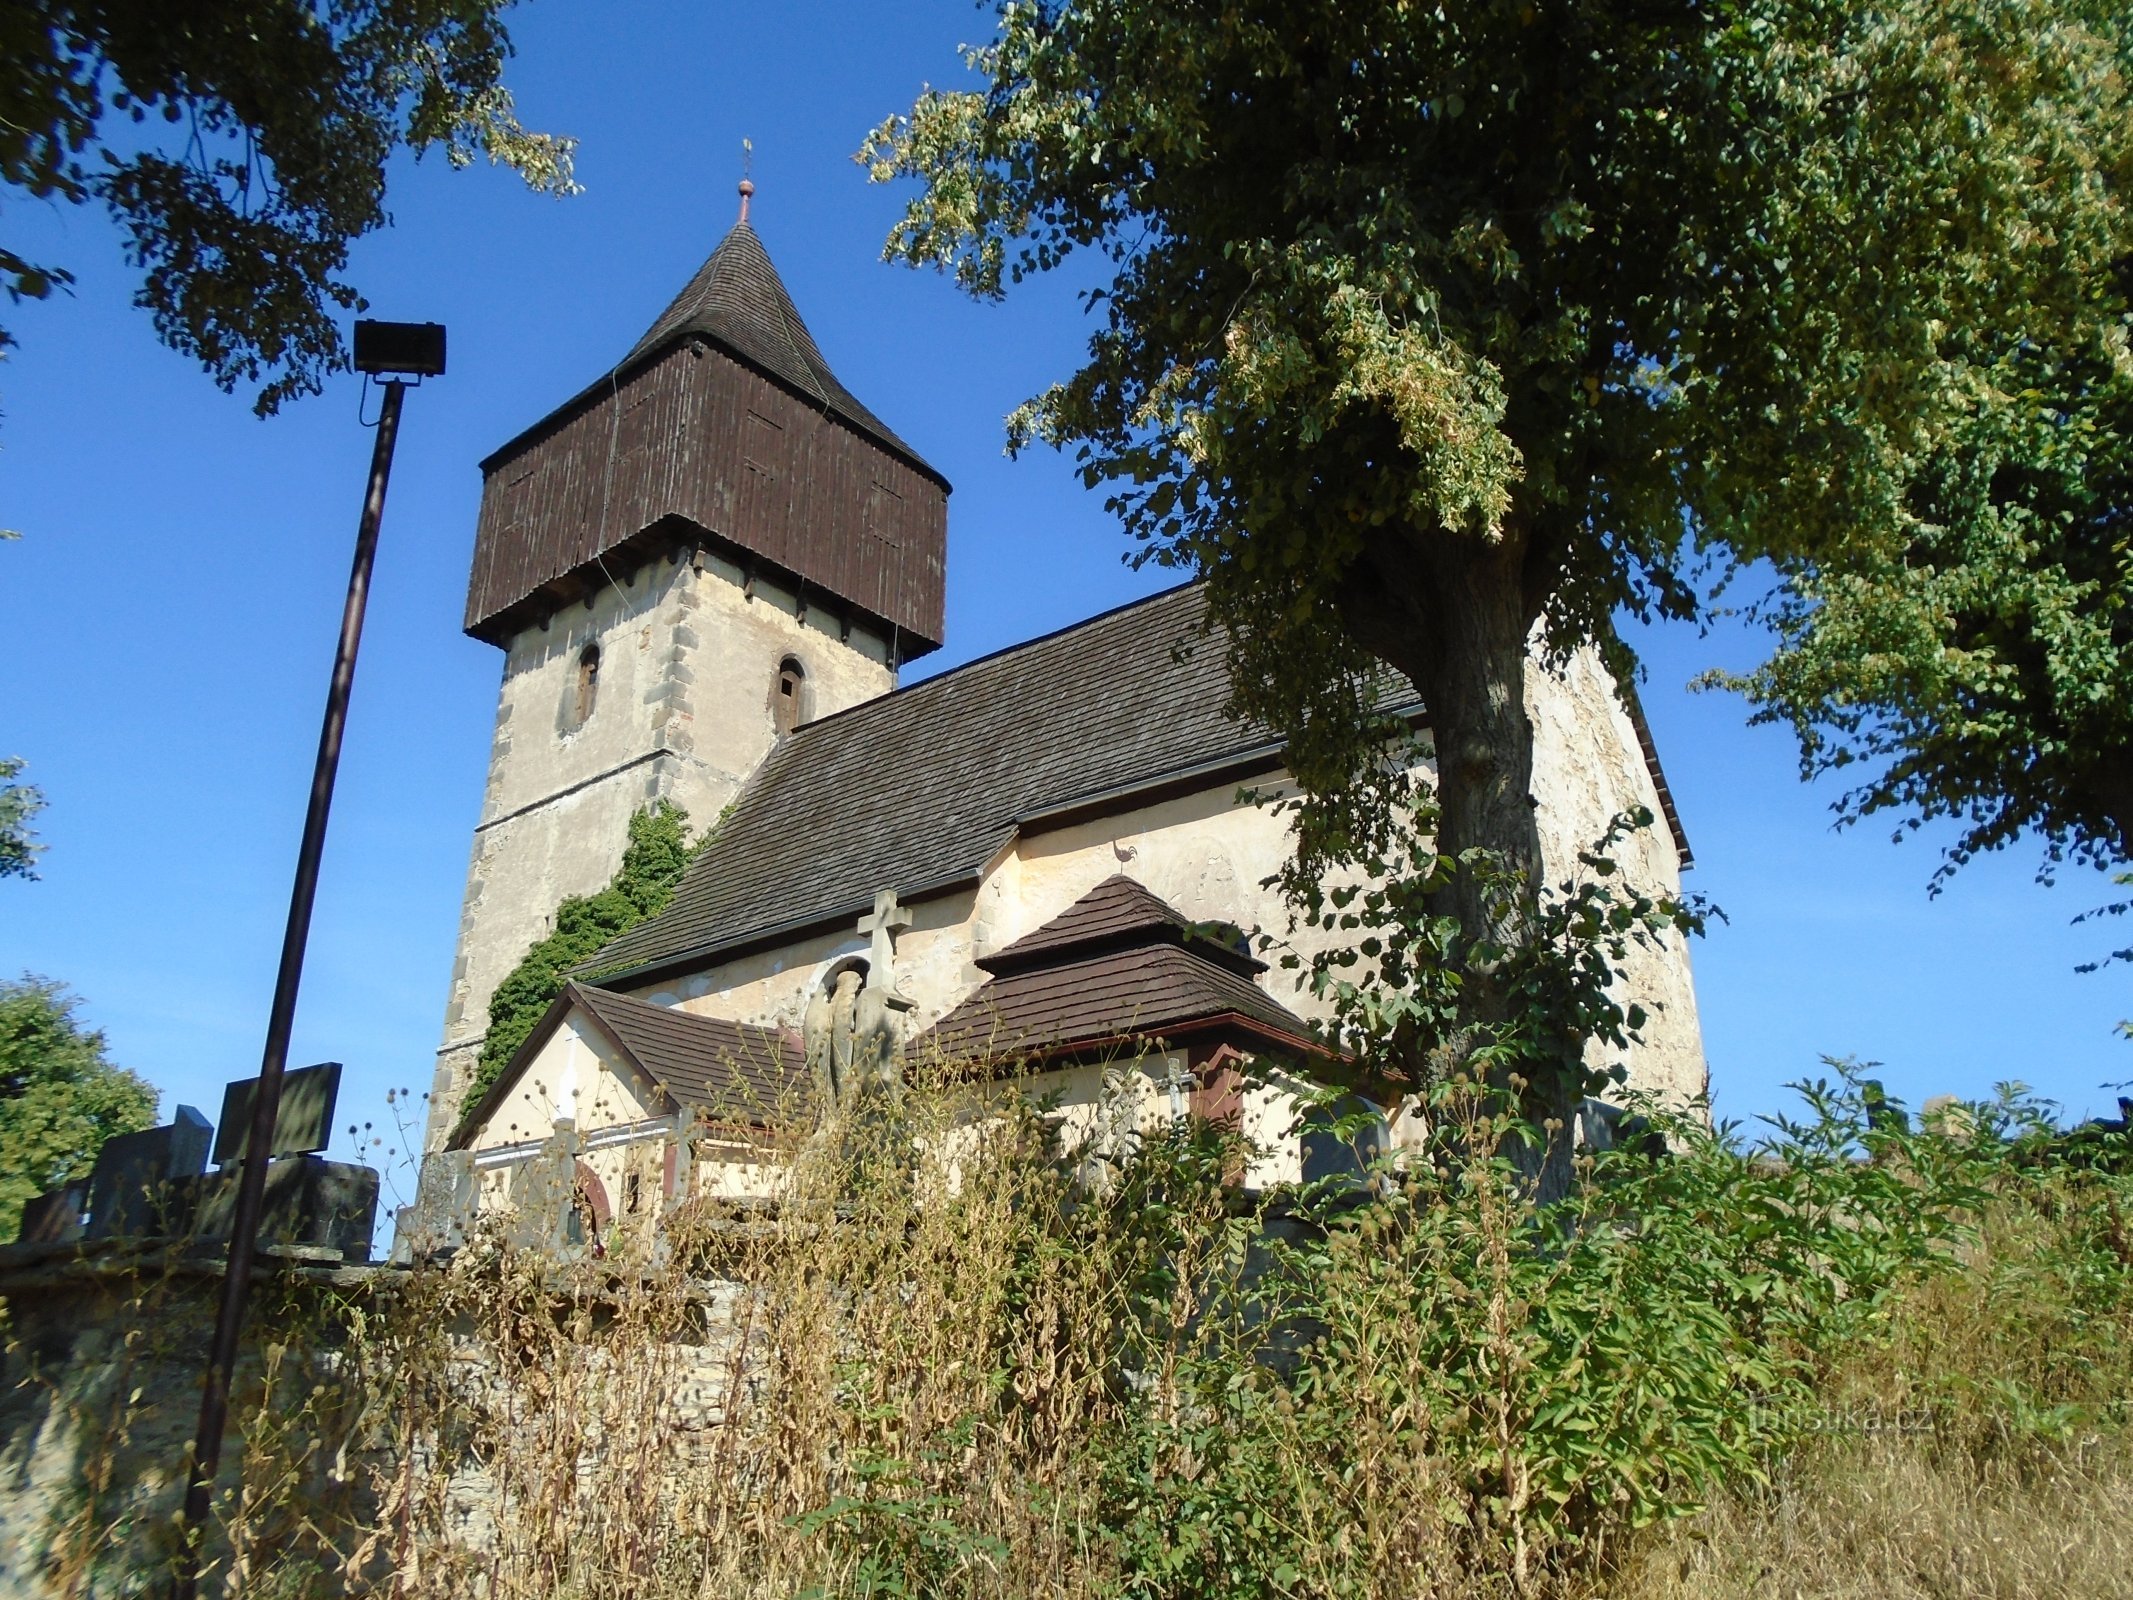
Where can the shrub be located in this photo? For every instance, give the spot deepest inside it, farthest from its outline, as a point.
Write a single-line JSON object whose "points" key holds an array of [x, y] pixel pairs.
{"points": [[1035, 1373]]}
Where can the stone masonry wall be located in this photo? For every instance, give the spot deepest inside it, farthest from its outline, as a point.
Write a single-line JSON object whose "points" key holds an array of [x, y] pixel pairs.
{"points": [[99, 1391], [690, 651]]}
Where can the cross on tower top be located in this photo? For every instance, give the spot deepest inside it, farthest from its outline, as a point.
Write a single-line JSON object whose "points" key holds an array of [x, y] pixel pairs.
{"points": [[881, 927]]}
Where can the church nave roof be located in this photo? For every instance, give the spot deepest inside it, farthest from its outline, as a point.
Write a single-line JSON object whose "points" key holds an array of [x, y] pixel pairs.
{"points": [[918, 790]]}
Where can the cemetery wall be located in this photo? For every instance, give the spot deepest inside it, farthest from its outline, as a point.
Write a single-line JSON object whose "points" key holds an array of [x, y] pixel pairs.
{"points": [[105, 1343]]}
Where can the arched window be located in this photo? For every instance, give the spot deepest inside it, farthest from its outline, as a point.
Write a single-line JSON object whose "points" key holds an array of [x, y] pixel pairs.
{"points": [[588, 690], [788, 696]]}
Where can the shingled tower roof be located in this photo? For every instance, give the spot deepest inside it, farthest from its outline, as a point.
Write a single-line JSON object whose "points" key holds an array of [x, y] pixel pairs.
{"points": [[724, 428], [738, 302], [1119, 914]]}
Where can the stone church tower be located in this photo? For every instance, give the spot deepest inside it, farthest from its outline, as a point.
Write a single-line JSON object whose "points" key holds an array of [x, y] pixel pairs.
{"points": [[711, 545]]}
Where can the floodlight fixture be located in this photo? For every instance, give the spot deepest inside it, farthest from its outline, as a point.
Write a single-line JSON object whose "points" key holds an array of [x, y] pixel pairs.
{"points": [[409, 349]]}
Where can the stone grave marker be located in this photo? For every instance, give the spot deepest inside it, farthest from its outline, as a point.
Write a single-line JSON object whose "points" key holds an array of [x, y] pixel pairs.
{"points": [[54, 1217], [330, 1205], [131, 1189], [303, 1121], [447, 1196], [543, 1196]]}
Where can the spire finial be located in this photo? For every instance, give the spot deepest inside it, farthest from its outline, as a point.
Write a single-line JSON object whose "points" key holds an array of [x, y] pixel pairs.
{"points": [[747, 183]]}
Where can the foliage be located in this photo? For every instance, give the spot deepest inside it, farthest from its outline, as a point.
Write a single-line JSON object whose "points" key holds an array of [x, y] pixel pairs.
{"points": [[659, 849], [1423, 329], [1982, 1446], [243, 147], [1980, 661], [1392, 971], [60, 1096], [1024, 1370], [19, 802]]}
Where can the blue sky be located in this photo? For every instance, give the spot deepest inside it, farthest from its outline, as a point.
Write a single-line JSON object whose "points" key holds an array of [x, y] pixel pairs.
{"points": [[168, 616]]}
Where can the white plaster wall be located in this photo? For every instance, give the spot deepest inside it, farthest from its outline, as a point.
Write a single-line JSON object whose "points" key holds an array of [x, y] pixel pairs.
{"points": [[772, 987], [576, 1076], [732, 1169], [1269, 1125], [1099, 1106], [689, 656]]}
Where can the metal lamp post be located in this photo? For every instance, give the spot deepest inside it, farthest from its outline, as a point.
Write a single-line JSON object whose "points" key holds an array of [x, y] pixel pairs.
{"points": [[393, 352]]}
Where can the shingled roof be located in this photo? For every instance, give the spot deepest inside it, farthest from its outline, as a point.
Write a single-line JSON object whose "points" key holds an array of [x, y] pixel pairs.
{"points": [[1117, 914], [918, 790], [1119, 964], [699, 1062], [738, 302]]}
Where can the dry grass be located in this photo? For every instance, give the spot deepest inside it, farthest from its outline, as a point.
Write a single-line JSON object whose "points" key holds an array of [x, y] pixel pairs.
{"points": [[1017, 1385], [2006, 1468], [1900, 1518]]}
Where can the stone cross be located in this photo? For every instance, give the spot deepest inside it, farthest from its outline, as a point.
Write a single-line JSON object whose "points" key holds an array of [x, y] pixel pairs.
{"points": [[881, 928]]}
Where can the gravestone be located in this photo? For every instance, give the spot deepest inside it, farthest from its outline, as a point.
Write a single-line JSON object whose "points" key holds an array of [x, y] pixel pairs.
{"points": [[544, 1196], [447, 1196], [303, 1118], [331, 1205], [1946, 1115], [54, 1217], [131, 1190]]}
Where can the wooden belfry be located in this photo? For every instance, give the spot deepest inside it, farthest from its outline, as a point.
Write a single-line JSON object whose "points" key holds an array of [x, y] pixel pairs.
{"points": [[724, 426]]}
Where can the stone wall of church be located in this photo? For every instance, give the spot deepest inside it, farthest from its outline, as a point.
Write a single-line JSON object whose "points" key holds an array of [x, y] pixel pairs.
{"points": [[1588, 767], [681, 707]]}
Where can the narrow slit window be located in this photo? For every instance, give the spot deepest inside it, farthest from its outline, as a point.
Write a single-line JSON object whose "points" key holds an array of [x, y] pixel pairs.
{"points": [[788, 696], [588, 686]]}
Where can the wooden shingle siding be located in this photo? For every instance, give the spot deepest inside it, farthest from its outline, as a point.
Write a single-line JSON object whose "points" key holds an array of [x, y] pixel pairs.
{"points": [[698, 435]]}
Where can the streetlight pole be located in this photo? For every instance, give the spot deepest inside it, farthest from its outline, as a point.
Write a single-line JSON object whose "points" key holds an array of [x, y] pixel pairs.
{"points": [[205, 1457]]}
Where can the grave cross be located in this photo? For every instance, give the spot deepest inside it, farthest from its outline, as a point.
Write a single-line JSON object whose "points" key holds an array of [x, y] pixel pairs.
{"points": [[881, 928]]}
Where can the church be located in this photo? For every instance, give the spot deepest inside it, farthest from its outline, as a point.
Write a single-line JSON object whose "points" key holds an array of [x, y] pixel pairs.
{"points": [[707, 573]]}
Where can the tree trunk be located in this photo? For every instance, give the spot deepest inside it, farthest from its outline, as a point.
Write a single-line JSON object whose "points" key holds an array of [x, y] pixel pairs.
{"points": [[1450, 612]]}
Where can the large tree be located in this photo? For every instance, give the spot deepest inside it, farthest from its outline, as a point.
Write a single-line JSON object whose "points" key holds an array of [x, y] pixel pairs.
{"points": [[1979, 668], [19, 802], [60, 1096], [1427, 332], [242, 146]]}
